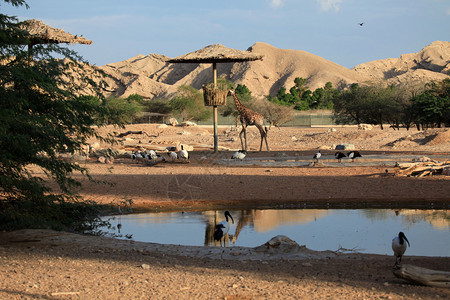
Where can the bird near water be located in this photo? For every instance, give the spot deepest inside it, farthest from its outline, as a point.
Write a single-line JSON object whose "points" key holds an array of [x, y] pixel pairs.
{"points": [[222, 228], [239, 154], [339, 155], [353, 154], [317, 156], [399, 246]]}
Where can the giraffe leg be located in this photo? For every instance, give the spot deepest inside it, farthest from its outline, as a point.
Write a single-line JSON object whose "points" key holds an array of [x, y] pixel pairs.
{"points": [[243, 131], [263, 134]]}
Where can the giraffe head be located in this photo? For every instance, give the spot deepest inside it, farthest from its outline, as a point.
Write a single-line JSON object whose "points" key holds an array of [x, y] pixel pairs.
{"points": [[231, 92]]}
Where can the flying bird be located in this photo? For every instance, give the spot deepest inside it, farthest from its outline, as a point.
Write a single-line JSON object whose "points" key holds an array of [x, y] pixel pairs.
{"points": [[361, 24], [222, 228], [399, 246]]}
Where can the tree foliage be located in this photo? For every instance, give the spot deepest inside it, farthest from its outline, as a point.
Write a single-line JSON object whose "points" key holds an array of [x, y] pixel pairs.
{"points": [[392, 105], [301, 98], [189, 104], [42, 115]]}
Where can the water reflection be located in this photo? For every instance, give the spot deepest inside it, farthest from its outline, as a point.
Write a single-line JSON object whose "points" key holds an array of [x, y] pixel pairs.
{"points": [[368, 230]]}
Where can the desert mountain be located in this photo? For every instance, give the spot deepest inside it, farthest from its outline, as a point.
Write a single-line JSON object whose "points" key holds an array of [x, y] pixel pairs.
{"points": [[431, 63], [152, 76]]}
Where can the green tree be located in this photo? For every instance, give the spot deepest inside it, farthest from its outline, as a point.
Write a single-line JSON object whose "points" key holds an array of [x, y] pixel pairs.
{"points": [[189, 104], [41, 115]]}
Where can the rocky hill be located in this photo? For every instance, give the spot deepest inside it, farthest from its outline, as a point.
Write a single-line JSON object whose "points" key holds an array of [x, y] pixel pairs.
{"points": [[431, 63], [152, 76]]}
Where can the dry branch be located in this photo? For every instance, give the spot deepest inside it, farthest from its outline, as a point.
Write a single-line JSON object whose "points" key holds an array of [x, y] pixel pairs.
{"points": [[422, 276], [132, 132], [421, 169]]}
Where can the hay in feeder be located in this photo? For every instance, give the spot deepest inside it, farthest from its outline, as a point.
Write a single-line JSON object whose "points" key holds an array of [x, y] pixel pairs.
{"points": [[215, 96]]}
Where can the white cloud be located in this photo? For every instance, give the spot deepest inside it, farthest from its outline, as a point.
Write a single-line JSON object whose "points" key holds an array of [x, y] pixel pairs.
{"points": [[327, 5], [276, 3]]}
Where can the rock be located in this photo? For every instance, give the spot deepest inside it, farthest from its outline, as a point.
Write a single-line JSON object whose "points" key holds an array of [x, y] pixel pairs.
{"points": [[101, 159], [279, 244], [446, 171], [365, 127], [173, 122], [162, 126], [345, 147], [294, 139], [109, 160], [188, 123], [332, 129], [145, 266]]}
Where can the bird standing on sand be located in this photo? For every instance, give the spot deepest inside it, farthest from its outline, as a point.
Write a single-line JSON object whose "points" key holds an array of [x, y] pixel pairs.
{"points": [[354, 154], [172, 155], [222, 228], [183, 153], [339, 156], [399, 246], [317, 156], [239, 154]]}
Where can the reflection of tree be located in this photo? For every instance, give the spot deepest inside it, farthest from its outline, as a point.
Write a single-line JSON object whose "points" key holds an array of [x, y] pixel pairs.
{"points": [[260, 220], [246, 217], [439, 219], [378, 214]]}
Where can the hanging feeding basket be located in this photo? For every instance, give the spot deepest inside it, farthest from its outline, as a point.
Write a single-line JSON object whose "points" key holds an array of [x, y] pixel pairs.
{"points": [[215, 96]]}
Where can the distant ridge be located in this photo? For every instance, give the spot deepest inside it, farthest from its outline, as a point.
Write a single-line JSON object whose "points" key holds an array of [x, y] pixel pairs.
{"points": [[152, 76]]}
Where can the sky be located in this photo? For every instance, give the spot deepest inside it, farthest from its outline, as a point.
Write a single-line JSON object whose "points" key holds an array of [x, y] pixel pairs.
{"points": [[328, 28]]}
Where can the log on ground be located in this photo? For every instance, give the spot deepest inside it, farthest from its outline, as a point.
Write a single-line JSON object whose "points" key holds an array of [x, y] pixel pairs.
{"points": [[422, 276]]}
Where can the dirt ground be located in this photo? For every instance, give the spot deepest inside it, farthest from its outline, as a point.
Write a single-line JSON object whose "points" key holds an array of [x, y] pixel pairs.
{"points": [[43, 264]]}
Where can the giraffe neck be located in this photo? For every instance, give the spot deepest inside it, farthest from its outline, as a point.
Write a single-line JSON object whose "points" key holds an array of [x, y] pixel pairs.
{"points": [[238, 104]]}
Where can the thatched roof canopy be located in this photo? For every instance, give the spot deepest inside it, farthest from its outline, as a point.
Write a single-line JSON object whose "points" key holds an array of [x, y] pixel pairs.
{"points": [[216, 54], [43, 34]]}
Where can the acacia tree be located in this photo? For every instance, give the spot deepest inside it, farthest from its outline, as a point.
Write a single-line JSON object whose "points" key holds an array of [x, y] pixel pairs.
{"points": [[42, 115], [189, 105]]}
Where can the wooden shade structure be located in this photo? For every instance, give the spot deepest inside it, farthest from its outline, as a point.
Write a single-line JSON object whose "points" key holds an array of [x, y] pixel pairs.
{"points": [[216, 54], [40, 33]]}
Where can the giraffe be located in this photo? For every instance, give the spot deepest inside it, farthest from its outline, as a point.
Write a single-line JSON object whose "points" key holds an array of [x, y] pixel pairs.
{"points": [[249, 118]]}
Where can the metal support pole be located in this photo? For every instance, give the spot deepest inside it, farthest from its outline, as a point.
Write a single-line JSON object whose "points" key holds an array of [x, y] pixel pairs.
{"points": [[216, 146]]}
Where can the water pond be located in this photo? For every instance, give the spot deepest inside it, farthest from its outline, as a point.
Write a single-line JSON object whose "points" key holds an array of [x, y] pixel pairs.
{"points": [[360, 230]]}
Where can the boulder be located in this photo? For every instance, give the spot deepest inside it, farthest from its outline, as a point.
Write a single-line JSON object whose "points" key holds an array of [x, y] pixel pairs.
{"points": [[279, 244], [173, 122], [345, 147]]}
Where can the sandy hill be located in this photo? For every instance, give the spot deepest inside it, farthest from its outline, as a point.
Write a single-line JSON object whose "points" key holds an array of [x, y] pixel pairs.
{"points": [[152, 76], [431, 63]]}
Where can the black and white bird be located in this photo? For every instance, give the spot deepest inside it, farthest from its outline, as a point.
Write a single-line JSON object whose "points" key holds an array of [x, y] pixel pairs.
{"points": [[239, 154], [184, 154], [361, 24], [339, 155], [353, 154], [222, 228], [152, 155], [317, 156], [172, 155], [399, 246], [136, 154]]}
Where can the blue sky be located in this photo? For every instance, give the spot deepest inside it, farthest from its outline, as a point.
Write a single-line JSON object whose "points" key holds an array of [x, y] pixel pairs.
{"points": [[327, 28]]}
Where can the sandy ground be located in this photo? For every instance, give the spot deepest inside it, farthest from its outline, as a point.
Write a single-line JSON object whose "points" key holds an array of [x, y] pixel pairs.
{"points": [[45, 264]]}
